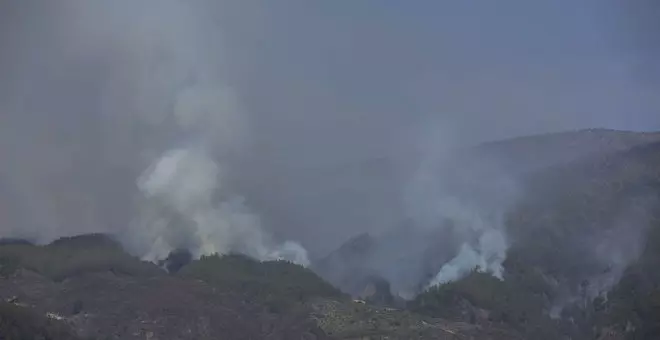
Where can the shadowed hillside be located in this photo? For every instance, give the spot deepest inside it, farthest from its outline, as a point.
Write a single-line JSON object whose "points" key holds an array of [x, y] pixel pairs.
{"points": [[530, 153], [71, 256], [582, 258], [582, 233], [581, 264], [21, 323], [90, 287]]}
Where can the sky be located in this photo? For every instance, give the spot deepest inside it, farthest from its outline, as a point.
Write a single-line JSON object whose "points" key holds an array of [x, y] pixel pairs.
{"points": [[343, 98], [488, 70]]}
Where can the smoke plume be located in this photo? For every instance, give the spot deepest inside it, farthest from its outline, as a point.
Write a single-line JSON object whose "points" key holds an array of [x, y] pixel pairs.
{"points": [[167, 123], [473, 194], [188, 203], [220, 126]]}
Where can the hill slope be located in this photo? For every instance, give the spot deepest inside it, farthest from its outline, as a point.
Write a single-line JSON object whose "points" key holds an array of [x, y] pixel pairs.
{"points": [[228, 297], [583, 253], [584, 248], [583, 230]]}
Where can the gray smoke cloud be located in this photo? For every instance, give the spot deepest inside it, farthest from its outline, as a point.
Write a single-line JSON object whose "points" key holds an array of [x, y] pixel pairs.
{"points": [[474, 194], [219, 125], [190, 179], [163, 75], [609, 252]]}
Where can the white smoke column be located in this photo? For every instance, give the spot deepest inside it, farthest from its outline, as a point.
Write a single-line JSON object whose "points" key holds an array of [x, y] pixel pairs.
{"points": [[486, 256], [473, 196], [483, 241], [167, 83], [185, 181], [188, 181]]}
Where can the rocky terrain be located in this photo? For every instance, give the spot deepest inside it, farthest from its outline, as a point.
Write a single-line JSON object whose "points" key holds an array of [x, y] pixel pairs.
{"points": [[105, 300], [585, 223], [581, 264]]}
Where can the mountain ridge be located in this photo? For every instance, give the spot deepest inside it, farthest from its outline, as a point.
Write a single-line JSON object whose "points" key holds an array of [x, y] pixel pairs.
{"points": [[583, 245]]}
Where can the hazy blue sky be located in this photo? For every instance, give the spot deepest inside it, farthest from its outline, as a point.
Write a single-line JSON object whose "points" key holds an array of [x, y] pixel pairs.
{"points": [[483, 69], [322, 83]]}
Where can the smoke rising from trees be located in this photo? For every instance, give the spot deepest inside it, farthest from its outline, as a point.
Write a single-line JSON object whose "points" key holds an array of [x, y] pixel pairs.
{"points": [[175, 123]]}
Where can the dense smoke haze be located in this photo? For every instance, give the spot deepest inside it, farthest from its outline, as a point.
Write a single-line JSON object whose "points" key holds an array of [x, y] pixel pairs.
{"points": [[280, 129]]}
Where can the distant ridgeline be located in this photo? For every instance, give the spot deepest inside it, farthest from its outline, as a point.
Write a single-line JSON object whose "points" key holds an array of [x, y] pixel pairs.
{"points": [[584, 242], [582, 261]]}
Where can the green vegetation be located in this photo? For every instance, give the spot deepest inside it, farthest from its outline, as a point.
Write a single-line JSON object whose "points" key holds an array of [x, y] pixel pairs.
{"points": [[476, 289], [530, 290], [633, 306], [69, 257], [570, 209], [483, 299], [549, 267], [279, 284]]}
